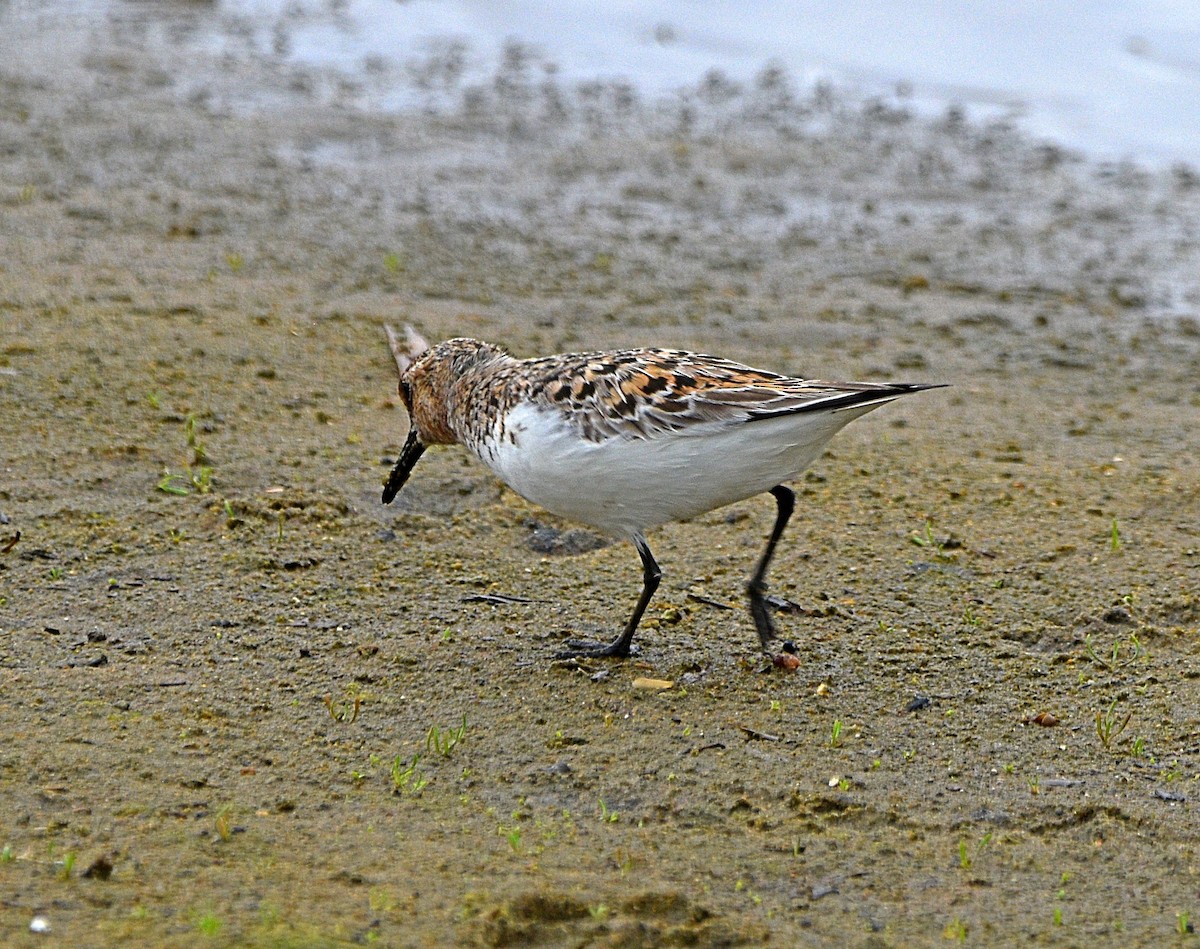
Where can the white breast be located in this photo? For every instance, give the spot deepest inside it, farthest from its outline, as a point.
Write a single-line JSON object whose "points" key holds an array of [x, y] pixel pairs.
{"points": [[626, 486]]}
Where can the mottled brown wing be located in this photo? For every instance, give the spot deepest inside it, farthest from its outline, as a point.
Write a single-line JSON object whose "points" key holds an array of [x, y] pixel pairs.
{"points": [[648, 392]]}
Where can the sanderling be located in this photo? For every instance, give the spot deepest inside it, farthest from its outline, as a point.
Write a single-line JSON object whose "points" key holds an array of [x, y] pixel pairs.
{"points": [[624, 441]]}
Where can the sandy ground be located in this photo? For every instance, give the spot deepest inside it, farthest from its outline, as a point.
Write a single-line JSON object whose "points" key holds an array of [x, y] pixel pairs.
{"points": [[243, 703]]}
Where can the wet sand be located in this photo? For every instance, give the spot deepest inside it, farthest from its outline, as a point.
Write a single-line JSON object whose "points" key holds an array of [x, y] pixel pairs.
{"points": [[244, 703]]}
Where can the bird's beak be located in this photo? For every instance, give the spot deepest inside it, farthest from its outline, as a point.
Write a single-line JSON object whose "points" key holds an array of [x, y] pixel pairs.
{"points": [[410, 454]]}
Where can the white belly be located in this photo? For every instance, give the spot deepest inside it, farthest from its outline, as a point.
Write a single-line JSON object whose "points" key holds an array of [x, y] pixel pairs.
{"points": [[626, 486]]}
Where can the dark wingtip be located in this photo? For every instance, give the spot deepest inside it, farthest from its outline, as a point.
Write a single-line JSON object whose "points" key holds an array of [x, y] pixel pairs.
{"points": [[410, 454], [853, 395]]}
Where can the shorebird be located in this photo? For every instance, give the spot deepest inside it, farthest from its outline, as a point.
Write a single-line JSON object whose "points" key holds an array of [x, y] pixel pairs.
{"points": [[624, 441]]}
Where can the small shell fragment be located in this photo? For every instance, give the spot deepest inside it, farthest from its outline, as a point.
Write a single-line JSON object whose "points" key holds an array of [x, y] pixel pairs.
{"points": [[39, 924], [653, 685]]}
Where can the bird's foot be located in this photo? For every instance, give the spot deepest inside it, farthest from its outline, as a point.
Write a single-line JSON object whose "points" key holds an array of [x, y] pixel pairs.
{"points": [[586, 649]]}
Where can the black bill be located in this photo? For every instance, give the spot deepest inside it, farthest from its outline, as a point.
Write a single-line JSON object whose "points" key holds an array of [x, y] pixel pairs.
{"points": [[410, 454]]}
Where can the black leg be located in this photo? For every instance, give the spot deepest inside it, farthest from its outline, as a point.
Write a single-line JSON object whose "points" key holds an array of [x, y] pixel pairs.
{"points": [[785, 500], [619, 647]]}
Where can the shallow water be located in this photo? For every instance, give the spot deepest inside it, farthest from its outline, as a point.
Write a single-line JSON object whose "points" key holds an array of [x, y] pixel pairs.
{"points": [[1112, 80]]}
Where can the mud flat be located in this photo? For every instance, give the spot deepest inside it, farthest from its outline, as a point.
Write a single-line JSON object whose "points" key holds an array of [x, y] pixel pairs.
{"points": [[245, 704]]}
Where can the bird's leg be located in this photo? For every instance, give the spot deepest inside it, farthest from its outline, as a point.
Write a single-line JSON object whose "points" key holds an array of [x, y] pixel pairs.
{"points": [[619, 647], [785, 500]]}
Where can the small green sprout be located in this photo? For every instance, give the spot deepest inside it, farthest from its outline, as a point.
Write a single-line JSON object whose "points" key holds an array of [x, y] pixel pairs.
{"points": [[965, 856], [1109, 725], [209, 924], [346, 713], [926, 539], [623, 860], [939, 548], [1123, 653], [835, 737], [514, 839], [443, 742], [201, 478], [167, 484], [406, 778], [224, 822]]}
